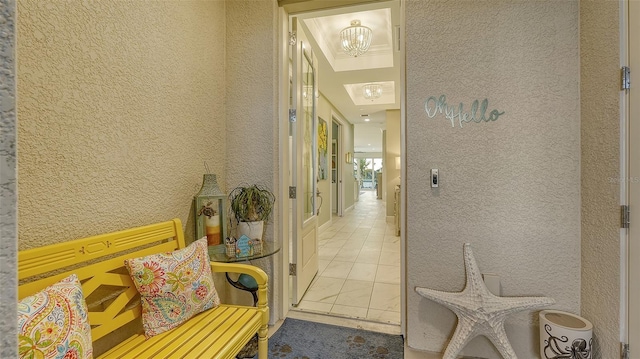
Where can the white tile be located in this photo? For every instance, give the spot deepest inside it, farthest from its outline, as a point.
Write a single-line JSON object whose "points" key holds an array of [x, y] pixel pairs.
{"points": [[368, 255], [327, 253], [352, 312], [383, 316], [376, 235], [369, 245], [335, 243], [347, 255], [385, 297], [363, 271], [327, 234], [389, 258], [324, 290], [354, 244], [315, 306], [338, 269], [342, 235], [389, 246], [388, 274], [322, 265], [355, 293]]}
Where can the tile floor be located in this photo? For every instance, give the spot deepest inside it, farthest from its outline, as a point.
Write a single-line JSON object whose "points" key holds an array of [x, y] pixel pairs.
{"points": [[359, 266]]}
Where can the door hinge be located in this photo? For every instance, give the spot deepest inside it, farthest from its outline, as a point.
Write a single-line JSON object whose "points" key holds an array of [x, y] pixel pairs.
{"points": [[624, 216], [293, 269], [292, 192], [626, 352], [292, 115], [626, 78], [292, 38]]}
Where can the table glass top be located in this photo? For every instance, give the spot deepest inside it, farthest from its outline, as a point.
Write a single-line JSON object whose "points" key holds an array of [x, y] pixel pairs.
{"points": [[219, 253]]}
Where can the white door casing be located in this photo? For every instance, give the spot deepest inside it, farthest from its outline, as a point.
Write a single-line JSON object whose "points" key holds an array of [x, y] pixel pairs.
{"points": [[304, 160], [632, 180]]}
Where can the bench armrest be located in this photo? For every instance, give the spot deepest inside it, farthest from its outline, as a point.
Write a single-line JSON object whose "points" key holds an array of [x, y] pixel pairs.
{"points": [[258, 274]]}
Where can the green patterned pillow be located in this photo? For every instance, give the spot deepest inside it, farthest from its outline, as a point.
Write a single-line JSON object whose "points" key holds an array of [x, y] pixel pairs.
{"points": [[173, 286], [53, 323]]}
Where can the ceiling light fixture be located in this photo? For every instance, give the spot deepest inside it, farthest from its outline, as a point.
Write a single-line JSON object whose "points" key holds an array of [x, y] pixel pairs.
{"points": [[356, 39], [372, 91]]}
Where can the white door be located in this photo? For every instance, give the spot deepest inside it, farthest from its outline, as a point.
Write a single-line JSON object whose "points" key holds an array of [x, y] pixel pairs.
{"points": [[304, 159], [633, 180]]}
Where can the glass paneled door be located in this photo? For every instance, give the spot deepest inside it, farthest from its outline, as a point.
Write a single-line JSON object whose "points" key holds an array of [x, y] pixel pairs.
{"points": [[304, 256]]}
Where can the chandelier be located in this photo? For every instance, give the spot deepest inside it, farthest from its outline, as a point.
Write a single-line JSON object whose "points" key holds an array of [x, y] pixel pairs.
{"points": [[355, 39], [372, 91]]}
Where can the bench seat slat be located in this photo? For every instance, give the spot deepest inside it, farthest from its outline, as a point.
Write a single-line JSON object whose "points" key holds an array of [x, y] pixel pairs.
{"points": [[193, 339]]}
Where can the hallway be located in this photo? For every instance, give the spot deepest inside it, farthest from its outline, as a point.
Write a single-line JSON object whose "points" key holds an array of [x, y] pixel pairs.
{"points": [[359, 266]]}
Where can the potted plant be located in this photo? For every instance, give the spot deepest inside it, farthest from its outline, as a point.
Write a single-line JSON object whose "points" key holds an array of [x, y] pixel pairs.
{"points": [[251, 206]]}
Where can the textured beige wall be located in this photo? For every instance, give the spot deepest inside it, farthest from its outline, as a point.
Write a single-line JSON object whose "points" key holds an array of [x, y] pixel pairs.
{"points": [[510, 187], [120, 104], [600, 133], [252, 114]]}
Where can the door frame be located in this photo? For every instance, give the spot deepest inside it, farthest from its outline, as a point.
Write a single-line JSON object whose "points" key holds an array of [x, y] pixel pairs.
{"points": [[629, 174], [340, 165], [281, 283]]}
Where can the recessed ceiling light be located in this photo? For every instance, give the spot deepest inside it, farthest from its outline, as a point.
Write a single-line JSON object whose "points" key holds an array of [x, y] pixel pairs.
{"points": [[366, 120], [368, 144]]}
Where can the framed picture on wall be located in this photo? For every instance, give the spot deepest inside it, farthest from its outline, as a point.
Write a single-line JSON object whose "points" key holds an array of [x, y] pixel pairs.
{"points": [[322, 149]]}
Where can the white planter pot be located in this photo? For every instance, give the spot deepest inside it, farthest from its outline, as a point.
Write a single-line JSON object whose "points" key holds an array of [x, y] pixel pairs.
{"points": [[253, 230], [564, 335]]}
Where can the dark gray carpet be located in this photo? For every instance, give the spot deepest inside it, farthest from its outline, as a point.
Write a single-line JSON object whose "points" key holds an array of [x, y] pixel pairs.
{"points": [[300, 339]]}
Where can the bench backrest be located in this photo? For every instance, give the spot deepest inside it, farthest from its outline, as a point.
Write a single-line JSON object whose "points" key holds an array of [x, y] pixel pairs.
{"points": [[99, 264]]}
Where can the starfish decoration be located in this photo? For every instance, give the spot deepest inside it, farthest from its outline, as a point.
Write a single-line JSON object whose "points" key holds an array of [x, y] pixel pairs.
{"points": [[480, 312]]}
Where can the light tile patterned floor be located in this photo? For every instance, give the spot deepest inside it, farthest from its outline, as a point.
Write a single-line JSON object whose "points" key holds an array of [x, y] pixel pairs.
{"points": [[359, 266]]}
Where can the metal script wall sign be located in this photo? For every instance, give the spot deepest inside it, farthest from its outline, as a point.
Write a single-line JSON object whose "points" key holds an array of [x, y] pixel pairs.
{"points": [[434, 105]]}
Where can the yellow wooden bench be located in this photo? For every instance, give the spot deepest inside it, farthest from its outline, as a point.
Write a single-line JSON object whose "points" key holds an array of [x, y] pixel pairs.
{"points": [[113, 301]]}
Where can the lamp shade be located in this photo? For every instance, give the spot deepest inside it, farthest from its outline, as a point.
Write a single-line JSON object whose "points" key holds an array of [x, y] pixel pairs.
{"points": [[372, 91], [398, 163], [356, 39]]}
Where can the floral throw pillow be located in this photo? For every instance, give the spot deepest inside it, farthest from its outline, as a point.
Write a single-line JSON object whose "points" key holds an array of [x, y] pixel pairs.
{"points": [[53, 323], [173, 286]]}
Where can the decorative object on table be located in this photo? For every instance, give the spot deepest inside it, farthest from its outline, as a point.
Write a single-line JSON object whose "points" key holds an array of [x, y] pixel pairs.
{"points": [[244, 246], [479, 312], [211, 219], [209, 207], [251, 206], [230, 247], [565, 335], [304, 339]]}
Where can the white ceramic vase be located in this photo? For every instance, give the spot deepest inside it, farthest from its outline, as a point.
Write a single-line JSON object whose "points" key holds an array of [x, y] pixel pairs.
{"points": [[253, 230], [564, 335]]}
